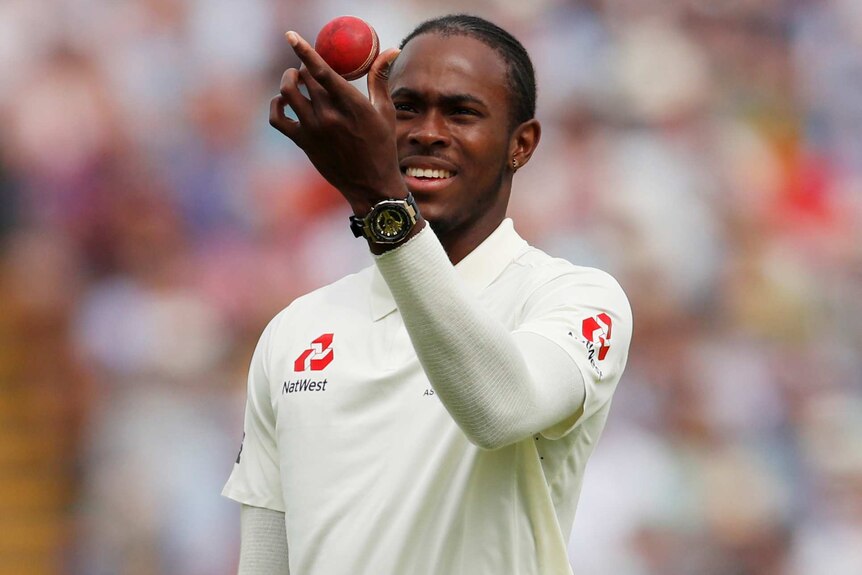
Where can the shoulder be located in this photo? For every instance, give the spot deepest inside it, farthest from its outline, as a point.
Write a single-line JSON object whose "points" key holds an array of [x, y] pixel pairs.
{"points": [[546, 275], [348, 292], [583, 309], [354, 285]]}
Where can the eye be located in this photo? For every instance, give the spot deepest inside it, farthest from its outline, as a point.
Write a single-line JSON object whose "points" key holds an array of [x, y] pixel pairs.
{"points": [[464, 115], [404, 107], [465, 112]]}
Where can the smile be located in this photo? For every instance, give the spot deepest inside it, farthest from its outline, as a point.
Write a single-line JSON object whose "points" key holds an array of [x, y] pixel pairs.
{"points": [[428, 173]]}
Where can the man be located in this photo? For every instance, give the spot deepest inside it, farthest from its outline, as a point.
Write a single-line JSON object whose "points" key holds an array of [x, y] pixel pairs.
{"points": [[433, 413]]}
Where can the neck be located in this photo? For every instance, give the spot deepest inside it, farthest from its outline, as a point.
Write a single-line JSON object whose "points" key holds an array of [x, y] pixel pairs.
{"points": [[460, 243]]}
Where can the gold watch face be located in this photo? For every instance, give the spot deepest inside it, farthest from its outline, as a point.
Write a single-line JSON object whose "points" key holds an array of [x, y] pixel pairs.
{"points": [[390, 223]]}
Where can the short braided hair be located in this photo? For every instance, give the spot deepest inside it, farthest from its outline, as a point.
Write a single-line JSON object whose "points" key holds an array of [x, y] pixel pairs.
{"points": [[519, 67]]}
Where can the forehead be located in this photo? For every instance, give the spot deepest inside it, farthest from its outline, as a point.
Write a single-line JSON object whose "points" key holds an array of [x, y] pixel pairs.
{"points": [[456, 64]]}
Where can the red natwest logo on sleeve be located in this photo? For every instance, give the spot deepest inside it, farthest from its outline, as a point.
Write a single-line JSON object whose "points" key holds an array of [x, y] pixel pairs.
{"points": [[317, 357], [597, 329]]}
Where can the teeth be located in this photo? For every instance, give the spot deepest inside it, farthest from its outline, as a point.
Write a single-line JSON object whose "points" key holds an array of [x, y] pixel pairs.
{"points": [[428, 173]]}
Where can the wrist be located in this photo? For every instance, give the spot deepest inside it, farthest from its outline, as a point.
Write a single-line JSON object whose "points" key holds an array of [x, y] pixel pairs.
{"points": [[378, 248], [388, 223], [362, 201]]}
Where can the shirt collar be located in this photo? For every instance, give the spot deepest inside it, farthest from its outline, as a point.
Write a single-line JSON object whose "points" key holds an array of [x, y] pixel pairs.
{"points": [[478, 270]]}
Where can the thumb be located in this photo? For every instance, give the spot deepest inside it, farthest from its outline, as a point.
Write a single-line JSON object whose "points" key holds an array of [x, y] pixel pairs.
{"points": [[378, 79]]}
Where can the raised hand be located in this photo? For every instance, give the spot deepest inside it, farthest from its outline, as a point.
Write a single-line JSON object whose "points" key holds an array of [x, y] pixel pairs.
{"points": [[349, 138]]}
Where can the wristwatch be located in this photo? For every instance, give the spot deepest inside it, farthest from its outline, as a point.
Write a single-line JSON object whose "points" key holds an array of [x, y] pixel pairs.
{"points": [[388, 222]]}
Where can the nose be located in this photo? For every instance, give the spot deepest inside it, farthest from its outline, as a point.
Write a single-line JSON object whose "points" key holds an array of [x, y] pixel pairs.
{"points": [[429, 130]]}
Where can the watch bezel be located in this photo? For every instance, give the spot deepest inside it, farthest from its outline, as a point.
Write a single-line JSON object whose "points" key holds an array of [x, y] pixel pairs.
{"points": [[378, 229], [369, 226]]}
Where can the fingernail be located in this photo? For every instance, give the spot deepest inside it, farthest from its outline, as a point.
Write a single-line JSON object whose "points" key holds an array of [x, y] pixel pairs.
{"points": [[292, 38]]}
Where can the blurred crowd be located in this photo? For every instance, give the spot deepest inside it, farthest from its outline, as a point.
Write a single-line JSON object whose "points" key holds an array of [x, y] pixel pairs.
{"points": [[708, 154]]}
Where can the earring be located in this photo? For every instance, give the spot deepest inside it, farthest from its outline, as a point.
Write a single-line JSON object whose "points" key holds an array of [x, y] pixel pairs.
{"points": [[514, 164]]}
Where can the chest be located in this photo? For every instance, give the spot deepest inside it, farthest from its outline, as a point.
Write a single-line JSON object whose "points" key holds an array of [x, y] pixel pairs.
{"points": [[339, 365], [342, 371]]}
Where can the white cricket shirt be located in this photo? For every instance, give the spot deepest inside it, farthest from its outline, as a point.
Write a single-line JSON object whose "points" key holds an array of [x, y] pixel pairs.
{"points": [[344, 433]]}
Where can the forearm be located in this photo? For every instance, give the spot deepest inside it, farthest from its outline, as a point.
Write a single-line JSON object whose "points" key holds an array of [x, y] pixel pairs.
{"points": [[263, 548], [497, 386]]}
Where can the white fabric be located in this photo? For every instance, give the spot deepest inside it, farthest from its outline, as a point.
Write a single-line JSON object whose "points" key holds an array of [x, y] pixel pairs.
{"points": [[479, 370], [346, 435], [263, 549]]}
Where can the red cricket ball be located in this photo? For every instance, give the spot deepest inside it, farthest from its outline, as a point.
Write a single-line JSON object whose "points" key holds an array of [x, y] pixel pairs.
{"points": [[349, 45]]}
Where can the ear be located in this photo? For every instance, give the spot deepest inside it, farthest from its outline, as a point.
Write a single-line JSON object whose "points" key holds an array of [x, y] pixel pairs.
{"points": [[524, 140]]}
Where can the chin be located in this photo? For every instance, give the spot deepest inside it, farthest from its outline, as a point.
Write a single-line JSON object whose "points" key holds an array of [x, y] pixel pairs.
{"points": [[427, 209], [440, 226]]}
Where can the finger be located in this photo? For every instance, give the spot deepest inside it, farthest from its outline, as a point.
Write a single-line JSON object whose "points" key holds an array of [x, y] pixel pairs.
{"points": [[280, 122], [291, 91], [322, 72], [378, 79], [317, 94]]}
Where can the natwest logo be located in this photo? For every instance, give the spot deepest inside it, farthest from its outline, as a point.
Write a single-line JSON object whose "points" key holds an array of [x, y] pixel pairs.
{"points": [[316, 357], [597, 330]]}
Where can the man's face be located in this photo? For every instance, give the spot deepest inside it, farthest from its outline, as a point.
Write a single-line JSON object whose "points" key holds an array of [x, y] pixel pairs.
{"points": [[453, 130]]}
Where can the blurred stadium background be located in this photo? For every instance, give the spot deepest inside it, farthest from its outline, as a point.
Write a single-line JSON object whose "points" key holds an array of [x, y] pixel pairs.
{"points": [[708, 154]]}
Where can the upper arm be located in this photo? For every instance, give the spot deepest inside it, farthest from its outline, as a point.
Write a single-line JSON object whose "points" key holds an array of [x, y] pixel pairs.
{"points": [[587, 315], [255, 479]]}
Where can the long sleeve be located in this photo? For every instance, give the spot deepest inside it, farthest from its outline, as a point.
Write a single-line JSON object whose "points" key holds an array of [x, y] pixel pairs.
{"points": [[499, 387], [263, 548]]}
